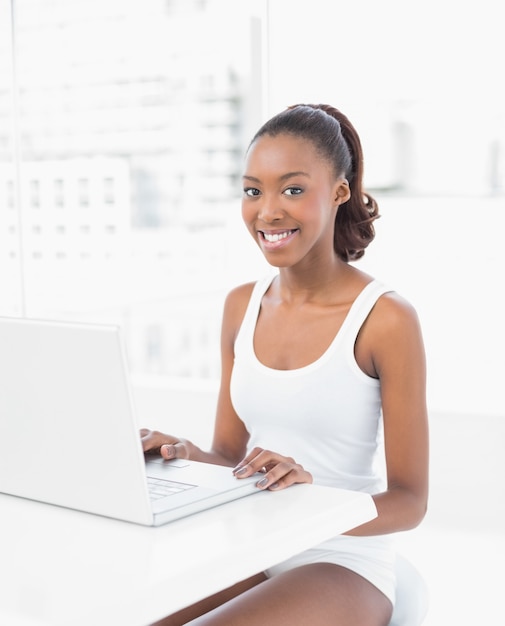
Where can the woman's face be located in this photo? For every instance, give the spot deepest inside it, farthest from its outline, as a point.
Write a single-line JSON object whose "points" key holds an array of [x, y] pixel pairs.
{"points": [[290, 199]]}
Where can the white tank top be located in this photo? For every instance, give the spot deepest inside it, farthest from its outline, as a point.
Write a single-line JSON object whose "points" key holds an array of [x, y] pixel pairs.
{"points": [[326, 415]]}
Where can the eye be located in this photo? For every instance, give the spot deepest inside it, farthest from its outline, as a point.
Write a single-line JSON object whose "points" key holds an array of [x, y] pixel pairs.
{"points": [[293, 191], [251, 191]]}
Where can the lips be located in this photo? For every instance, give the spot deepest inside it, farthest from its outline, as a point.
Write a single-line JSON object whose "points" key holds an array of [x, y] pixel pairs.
{"points": [[274, 240]]}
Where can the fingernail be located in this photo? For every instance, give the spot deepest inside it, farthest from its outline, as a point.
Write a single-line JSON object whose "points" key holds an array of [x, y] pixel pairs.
{"points": [[262, 483], [240, 471], [169, 450]]}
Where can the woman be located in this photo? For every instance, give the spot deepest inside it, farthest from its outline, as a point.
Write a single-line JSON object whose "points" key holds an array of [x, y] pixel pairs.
{"points": [[320, 363]]}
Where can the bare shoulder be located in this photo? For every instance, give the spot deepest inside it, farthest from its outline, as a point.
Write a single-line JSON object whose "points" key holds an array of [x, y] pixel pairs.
{"points": [[391, 337], [238, 298], [392, 311], [235, 307], [393, 327], [240, 293]]}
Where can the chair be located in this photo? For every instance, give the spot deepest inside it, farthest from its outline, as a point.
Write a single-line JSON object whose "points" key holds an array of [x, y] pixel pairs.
{"points": [[412, 596]]}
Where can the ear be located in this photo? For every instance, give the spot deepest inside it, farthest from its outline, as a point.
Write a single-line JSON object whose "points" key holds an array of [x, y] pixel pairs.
{"points": [[342, 191]]}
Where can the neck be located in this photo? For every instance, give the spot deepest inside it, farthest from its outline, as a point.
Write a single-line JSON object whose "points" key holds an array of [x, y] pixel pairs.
{"points": [[311, 284]]}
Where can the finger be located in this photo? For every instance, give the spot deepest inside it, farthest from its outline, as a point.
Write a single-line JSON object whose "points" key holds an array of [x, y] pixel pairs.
{"points": [[175, 450], [149, 440], [152, 440], [255, 452], [283, 475], [258, 460]]}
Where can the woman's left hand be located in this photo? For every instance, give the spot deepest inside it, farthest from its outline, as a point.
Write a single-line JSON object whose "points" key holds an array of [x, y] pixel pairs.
{"points": [[280, 471]]}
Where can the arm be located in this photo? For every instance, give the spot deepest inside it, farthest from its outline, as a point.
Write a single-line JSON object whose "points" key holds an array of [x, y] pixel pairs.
{"points": [[390, 347], [230, 436]]}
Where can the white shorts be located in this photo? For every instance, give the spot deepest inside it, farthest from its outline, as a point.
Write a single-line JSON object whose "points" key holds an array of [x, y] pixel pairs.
{"points": [[373, 558]]}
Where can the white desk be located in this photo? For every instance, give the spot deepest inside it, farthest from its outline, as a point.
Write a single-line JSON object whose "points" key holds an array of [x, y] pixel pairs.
{"points": [[64, 568]]}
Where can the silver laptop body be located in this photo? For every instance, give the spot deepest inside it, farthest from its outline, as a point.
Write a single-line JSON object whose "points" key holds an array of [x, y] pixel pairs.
{"points": [[69, 434]]}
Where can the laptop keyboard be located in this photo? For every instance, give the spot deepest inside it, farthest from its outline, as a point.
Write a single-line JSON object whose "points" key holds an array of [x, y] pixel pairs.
{"points": [[160, 488]]}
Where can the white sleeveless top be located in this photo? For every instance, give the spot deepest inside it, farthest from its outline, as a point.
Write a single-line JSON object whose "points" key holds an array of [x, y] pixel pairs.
{"points": [[326, 415]]}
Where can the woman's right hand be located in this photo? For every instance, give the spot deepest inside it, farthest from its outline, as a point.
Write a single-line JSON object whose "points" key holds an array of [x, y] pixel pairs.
{"points": [[169, 447]]}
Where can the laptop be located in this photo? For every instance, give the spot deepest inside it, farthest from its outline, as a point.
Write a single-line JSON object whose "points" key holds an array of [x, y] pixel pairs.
{"points": [[69, 434]]}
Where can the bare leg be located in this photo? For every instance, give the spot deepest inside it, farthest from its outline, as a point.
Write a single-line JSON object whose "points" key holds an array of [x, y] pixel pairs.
{"points": [[319, 594], [195, 610]]}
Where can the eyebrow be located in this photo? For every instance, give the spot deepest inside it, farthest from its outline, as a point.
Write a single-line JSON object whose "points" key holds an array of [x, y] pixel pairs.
{"points": [[281, 178]]}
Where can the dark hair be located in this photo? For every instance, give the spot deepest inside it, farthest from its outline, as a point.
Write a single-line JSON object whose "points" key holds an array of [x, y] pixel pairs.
{"points": [[336, 140]]}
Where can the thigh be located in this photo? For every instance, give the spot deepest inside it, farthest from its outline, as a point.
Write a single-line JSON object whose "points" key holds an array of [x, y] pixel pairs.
{"points": [[319, 594], [204, 606]]}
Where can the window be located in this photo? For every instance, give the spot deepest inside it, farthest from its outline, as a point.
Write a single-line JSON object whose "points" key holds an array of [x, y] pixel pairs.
{"points": [[122, 213]]}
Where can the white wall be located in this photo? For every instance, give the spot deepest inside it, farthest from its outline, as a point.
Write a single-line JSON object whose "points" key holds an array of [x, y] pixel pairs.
{"points": [[445, 255]]}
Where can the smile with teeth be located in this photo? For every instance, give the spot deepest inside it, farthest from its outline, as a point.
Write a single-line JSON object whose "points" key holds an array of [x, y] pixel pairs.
{"points": [[274, 237]]}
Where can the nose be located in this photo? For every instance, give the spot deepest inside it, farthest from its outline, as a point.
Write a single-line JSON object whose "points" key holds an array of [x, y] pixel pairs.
{"points": [[269, 210]]}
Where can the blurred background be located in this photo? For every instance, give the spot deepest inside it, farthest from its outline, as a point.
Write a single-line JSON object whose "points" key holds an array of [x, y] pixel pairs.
{"points": [[123, 126]]}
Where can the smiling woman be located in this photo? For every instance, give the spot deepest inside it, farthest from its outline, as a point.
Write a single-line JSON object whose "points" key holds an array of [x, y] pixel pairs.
{"points": [[318, 361]]}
